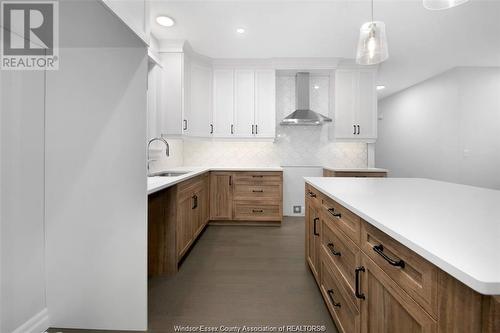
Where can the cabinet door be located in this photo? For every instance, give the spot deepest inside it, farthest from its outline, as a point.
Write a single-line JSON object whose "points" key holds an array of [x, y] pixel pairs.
{"points": [[223, 104], [185, 217], [386, 307], [171, 110], [346, 83], [265, 103], [244, 102], [312, 237], [366, 113], [221, 195], [198, 115], [202, 209]]}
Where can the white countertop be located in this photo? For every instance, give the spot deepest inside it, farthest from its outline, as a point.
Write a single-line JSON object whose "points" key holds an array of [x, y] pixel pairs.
{"points": [[355, 169], [156, 184], [456, 227]]}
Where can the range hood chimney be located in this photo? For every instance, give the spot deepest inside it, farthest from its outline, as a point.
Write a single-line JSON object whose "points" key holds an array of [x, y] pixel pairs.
{"points": [[303, 115]]}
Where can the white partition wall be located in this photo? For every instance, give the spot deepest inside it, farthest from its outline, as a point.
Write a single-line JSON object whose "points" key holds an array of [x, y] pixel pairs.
{"points": [[22, 291], [96, 203]]}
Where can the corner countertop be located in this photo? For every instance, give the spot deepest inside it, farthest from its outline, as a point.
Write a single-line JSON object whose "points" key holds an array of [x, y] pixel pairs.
{"points": [[355, 169], [455, 227], [156, 184]]}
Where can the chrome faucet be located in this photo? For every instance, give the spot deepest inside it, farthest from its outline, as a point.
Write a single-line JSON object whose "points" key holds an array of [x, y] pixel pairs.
{"points": [[167, 147]]}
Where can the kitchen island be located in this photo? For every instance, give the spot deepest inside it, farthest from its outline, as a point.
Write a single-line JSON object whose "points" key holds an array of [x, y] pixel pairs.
{"points": [[425, 253]]}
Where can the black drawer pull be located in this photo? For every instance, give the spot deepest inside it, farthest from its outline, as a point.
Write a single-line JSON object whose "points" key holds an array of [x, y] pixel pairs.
{"points": [[316, 219], [357, 292], [257, 210], [257, 176], [312, 194], [195, 201], [257, 191], [332, 250], [330, 294], [380, 250], [332, 211]]}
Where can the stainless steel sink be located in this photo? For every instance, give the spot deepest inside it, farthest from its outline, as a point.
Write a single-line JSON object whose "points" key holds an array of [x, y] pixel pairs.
{"points": [[169, 174]]}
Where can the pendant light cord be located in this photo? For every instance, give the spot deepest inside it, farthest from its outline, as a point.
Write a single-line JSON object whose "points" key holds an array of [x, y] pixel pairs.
{"points": [[372, 10]]}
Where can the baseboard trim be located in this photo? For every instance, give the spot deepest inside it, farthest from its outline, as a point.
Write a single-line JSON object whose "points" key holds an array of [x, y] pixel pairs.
{"points": [[36, 324], [246, 223]]}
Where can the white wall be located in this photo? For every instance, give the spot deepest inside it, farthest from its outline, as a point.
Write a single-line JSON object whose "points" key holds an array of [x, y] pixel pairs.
{"points": [[96, 203], [22, 291], [444, 128]]}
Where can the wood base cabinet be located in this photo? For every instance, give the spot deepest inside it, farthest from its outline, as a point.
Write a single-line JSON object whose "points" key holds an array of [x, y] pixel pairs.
{"points": [[176, 217], [248, 197], [373, 284]]}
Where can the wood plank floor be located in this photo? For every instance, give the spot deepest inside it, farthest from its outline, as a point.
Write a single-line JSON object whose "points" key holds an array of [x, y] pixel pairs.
{"points": [[237, 276]]}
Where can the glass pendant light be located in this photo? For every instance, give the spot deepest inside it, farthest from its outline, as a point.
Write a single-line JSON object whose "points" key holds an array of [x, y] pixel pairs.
{"points": [[442, 4], [372, 45]]}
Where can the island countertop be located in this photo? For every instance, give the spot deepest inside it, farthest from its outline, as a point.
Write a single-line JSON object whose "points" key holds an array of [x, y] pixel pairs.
{"points": [[455, 227]]}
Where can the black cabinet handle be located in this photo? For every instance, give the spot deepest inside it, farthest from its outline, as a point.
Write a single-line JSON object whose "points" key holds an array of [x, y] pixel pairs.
{"points": [[380, 251], [332, 211], [354, 129], [195, 201], [257, 176], [257, 191], [332, 250], [185, 125], [211, 129], [230, 180], [257, 210], [256, 129], [357, 291], [316, 219], [253, 129], [232, 129], [330, 294], [359, 129], [312, 194]]}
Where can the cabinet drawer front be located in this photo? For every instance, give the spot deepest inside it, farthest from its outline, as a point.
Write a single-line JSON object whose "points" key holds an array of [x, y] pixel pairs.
{"points": [[262, 177], [250, 211], [188, 187], [346, 220], [249, 192], [359, 174], [343, 253], [313, 196], [414, 274], [346, 316]]}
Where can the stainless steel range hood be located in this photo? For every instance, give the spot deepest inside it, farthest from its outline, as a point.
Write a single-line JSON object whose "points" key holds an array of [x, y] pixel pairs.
{"points": [[303, 115]]}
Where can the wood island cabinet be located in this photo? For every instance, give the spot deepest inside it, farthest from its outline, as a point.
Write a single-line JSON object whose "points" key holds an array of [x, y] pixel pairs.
{"points": [[371, 283]]}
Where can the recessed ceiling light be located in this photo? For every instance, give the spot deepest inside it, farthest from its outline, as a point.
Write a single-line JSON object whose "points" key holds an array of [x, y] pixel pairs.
{"points": [[316, 87], [380, 87], [165, 21], [240, 30]]}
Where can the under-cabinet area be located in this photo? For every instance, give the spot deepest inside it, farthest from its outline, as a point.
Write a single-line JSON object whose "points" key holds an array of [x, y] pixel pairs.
{"points": [[177, 214], [372, 283]]}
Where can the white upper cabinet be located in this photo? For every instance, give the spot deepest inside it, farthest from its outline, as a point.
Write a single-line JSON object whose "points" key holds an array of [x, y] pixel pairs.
{"points": [[244, 103], [198, 115], [265, 103], [171, 113], [355, 104], [223, 103]]}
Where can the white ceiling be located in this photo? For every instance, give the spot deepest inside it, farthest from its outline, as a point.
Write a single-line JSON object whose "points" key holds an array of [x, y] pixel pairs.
{"points": [[422, 43]]}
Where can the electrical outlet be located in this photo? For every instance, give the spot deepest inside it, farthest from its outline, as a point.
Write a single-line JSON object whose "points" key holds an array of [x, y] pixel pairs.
{"points": [[297, 209]]}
